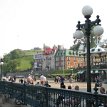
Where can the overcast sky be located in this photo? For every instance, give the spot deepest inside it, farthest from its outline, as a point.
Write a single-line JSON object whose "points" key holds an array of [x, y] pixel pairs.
{"points": [[25, 24]]}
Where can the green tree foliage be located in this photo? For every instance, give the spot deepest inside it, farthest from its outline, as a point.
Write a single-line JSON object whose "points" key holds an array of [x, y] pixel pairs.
{"points": [[75, 47], [17, 53], [18, 60], [25, 63], [11, 65]]}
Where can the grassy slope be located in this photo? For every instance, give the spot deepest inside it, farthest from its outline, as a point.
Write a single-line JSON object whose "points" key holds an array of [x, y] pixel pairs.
{"points": [[31, 52], [25, 62]]}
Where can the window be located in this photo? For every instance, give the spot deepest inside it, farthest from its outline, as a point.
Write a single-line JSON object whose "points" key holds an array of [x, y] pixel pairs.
{"points": [[99, 50], [93, 50], [74, 59], [68, 58], [69, 52], [68, 63]]}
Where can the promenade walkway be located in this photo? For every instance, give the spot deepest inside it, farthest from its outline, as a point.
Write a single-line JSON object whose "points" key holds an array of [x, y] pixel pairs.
{"points": [[82, 85]]}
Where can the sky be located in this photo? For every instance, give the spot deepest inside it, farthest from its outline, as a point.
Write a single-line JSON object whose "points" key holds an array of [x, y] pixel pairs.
{"points": [[25, 24]]}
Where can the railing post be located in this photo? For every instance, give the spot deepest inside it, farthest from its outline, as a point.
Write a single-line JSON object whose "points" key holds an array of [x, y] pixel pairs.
{"points": [[96, 97], [24, 92], [11, 89], [46, 96]]}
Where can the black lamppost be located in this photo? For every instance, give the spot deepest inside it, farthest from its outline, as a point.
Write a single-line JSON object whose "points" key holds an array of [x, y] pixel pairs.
{"points": [[1, 66], [89, 27]]}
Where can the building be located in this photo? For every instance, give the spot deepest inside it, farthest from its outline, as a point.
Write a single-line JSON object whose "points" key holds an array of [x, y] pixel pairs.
{"points": [[71, 59], [60, 58], [48, 58], [38, 61], [98, 62], [66, 59], [57, 58]]}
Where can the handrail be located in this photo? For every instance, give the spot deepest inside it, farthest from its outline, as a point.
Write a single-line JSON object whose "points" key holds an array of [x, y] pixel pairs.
{"points": [[39, 96]]}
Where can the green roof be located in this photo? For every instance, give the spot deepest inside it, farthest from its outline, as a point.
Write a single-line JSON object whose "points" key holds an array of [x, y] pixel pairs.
{"points": [[60, 53], [68, 52]]}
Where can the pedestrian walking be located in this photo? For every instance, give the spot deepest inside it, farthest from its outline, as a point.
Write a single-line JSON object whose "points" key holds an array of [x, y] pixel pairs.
{"points": [[42, 79], [61, 80], [56, 79]]}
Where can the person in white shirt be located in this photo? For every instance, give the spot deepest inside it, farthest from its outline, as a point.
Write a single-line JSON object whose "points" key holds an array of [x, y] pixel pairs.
{"points": [[42, 79]]}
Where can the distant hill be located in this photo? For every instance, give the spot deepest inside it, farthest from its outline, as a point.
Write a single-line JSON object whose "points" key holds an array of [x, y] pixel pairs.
{"points": [[31, 52], [19, 60], [26, 62]]}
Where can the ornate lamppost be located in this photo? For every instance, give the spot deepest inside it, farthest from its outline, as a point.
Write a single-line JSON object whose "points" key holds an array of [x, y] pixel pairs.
{"points": [[89, 27]]}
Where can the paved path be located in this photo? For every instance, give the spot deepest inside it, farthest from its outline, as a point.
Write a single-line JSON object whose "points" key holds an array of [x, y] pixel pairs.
{"points": [[82, 85]]}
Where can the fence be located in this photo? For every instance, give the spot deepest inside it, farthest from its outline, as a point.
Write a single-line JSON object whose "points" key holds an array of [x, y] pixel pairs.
{"points": [[38, 96]]}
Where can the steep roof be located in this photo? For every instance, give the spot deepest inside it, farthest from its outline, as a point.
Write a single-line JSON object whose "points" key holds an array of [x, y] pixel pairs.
{"points": [[48, 50], [64, 52], [97, 49]]}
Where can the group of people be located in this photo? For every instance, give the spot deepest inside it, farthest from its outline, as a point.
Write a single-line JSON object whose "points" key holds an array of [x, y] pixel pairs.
{"points": [[76, 87], [9, 78], [68, 101], [43, 81], [30, 80], [59, 79], [76, 101]]}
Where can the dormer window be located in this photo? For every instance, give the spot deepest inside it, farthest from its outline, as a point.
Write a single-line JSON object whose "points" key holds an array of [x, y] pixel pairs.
{"points": [[93, 50], [63, 53], [73, 52], [69, 52], [99, 50]]}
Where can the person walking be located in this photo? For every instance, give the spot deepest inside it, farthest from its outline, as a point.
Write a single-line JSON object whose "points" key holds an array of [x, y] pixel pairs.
{"points": [[42, 79], [61, 80], [56, 79]]}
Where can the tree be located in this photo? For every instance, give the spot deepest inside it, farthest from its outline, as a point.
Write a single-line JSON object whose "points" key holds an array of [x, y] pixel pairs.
{"points": [[17, 60], [76, 46], [11, 66], [17, 53]]}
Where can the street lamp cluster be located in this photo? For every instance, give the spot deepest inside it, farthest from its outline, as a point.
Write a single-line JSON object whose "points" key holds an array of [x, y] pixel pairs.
{"points": [[89, 27]]}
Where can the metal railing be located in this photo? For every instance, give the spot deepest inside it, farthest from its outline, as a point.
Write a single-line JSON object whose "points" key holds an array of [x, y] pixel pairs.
{"points": [[38, 96]]}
